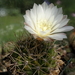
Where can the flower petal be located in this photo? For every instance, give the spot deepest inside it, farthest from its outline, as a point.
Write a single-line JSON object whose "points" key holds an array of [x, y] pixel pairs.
{"points": [[57, 20], [40, 15], [58, 36], [34, 12], [30, 30], [51, 5], [61, 24], [29, 21], [44, 5], [47, 39], [63, 29], [60, 11]]}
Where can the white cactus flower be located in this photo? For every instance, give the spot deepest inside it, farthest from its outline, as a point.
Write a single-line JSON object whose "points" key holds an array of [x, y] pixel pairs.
{"points": [[46, 22]]}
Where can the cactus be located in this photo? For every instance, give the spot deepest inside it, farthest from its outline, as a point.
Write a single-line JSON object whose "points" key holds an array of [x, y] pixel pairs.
{"points": [[29, 56]]}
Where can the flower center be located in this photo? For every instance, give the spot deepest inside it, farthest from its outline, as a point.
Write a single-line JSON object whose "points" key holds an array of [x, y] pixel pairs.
{"points": [[44, 25]]}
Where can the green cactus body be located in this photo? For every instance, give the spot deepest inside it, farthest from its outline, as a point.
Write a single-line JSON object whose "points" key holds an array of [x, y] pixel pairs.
{"points": [[33, 57], [29, 56]]}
